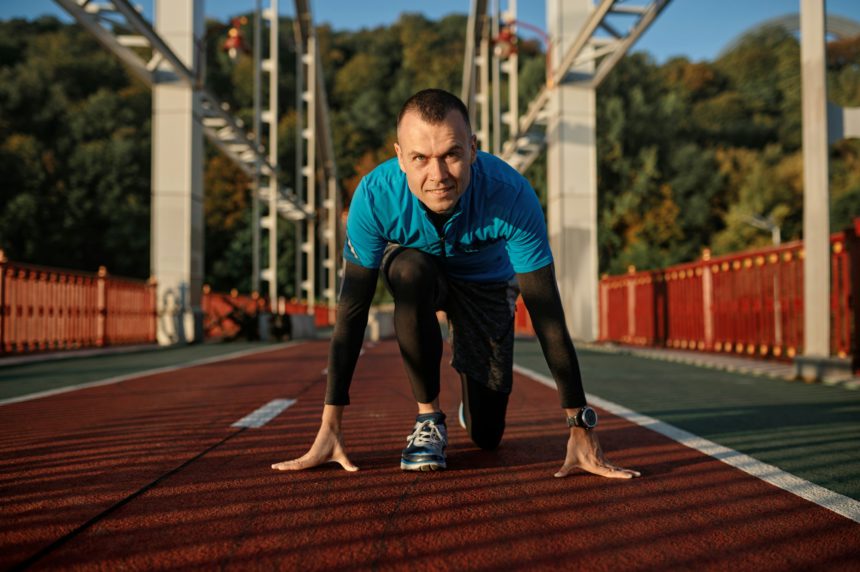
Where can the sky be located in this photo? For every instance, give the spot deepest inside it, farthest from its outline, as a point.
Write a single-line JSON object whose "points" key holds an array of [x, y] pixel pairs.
{"points": [[696, 29]]}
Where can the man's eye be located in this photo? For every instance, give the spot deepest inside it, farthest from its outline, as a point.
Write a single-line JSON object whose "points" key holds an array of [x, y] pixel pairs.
{"points": [[420, 158]]}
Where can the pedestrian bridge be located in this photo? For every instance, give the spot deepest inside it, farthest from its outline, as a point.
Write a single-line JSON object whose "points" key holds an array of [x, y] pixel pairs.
{"points": [[152, 449]]}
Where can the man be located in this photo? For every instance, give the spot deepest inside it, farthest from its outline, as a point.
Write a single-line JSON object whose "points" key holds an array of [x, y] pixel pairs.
{"points": [[451, 228]]}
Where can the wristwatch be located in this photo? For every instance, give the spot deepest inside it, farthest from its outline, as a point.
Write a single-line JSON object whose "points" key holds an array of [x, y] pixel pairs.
{"points": [[586, 418]]}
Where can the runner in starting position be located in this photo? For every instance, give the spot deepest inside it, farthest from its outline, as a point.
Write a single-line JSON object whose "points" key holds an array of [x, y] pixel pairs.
{"points": [[455, 229]]}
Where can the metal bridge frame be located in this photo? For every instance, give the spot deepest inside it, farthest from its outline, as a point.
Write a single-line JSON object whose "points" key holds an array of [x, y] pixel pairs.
{"points": [[482, 75], [219, 125], [318, 253], [587, 42], [585, 63], [603, 39], [179, 318]]}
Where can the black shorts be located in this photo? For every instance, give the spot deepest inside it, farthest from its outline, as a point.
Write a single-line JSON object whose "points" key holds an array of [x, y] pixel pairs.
{"points": [[480, 321]]}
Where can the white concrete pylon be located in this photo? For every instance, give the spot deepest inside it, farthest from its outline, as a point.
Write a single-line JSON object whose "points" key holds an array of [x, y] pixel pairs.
{"points": [[572, 176], [177, 180], [273, 18], [816, 184]]}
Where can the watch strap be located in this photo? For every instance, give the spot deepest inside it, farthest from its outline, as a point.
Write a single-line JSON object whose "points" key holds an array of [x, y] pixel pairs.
{"points": [[577, 420]]}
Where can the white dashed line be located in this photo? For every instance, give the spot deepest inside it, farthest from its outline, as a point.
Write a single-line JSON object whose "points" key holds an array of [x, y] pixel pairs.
{"points": [[264, 414]]}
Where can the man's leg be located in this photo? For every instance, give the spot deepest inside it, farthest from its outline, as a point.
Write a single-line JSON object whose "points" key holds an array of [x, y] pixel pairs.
{"points": [[484, 413], [416, 284], [482, 326], [414, 280]]}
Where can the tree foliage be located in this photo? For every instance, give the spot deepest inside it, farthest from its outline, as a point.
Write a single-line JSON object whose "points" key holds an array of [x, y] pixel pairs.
{"points": [[74, 152], [687, 151]]}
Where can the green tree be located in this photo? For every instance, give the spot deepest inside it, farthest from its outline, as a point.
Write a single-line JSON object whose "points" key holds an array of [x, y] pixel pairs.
{"points": [[75, 153], [687, 151], [772, 185]]}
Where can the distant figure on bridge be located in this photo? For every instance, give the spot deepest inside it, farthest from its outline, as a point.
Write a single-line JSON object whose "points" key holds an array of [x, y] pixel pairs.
{"points": [[455, 229]]}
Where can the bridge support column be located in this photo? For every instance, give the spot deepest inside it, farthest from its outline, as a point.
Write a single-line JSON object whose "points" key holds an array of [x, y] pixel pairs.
{"points": [[177, 180], [816, 205], [572, 176]]}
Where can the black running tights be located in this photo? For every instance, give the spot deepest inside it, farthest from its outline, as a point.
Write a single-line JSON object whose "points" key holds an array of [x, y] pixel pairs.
{"points": [[419, 288]]}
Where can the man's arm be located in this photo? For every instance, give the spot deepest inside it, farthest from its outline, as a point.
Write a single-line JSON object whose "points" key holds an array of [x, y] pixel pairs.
{"points": [[359, 285], [356, 295], [543, 301]]}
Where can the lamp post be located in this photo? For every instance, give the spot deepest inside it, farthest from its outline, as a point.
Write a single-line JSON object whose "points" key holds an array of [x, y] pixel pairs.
{"points": [[767, 224]]}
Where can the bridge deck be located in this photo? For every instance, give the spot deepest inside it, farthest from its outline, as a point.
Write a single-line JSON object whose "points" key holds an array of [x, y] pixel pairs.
{"points": [[149, 472]]}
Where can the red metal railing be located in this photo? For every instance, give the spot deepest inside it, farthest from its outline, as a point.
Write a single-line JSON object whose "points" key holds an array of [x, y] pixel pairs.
{"points": [[641, 300], [224, 314], [522, 320], [51, 309], [45, 309], [130, 311], [749, 302], [323, 316]]}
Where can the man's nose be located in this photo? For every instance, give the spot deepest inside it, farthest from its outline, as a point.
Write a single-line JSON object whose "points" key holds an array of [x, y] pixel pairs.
{"points": [[438, 169]]}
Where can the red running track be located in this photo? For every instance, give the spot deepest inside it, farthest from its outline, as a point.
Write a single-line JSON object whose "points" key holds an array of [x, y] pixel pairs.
{"points": [[149, 474]]}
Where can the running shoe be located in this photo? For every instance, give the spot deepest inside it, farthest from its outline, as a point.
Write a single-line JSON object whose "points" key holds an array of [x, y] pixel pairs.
{"points": [[425, 447]]}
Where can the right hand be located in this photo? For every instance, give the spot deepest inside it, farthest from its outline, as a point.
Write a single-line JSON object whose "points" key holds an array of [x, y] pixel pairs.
{"points": [[327, 448]]}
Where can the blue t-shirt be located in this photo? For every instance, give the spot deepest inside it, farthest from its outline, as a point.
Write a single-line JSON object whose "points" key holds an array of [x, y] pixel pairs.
{"points": [[497, 227]]}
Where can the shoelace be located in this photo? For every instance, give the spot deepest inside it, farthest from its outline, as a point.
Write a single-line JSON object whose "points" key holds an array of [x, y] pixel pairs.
{"points": [[426, 433]]}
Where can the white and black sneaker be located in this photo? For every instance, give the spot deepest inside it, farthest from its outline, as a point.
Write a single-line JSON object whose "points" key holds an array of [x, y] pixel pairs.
{"points": [[425, 447]]}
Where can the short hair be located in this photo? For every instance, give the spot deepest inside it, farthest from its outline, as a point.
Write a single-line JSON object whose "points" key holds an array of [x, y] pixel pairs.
{"points": [[433, 106]]}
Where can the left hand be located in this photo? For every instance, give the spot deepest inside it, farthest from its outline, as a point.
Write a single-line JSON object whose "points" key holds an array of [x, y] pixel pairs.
{"points": [[584, 452]]}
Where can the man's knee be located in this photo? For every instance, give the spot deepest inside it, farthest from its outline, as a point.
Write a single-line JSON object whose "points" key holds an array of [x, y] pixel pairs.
{"points": [[485, 413], [412, 268], [487, 438]]}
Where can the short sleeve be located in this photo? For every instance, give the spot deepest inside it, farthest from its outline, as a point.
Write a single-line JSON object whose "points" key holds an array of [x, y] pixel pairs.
{"points": [[364, 244], [527, 243]]}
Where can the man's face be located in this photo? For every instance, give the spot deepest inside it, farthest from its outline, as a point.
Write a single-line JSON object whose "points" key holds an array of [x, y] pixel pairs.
{"points": [[436, 158]]}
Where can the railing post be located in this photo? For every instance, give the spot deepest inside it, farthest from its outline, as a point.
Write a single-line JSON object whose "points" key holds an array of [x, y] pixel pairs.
{"points": [[631, 303], [707, 299], [852, 243], [603, 300], [152, 284], [206, 306], [3, 263], [101, 322], [661, 307]]}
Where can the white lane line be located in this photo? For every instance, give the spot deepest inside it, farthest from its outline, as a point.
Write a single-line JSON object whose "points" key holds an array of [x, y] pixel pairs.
{"points": [[121, 378], [264, 414], [840, 504]]}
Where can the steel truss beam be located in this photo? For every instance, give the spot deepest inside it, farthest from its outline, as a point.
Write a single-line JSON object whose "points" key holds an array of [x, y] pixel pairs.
{"points": [[600, 40], [318, 248], [476, 72], [269, 223], [510, 66], [483, 70], [223, 129]]}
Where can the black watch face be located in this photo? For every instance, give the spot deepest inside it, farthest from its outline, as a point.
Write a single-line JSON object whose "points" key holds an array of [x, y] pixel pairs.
{"points": [[589, 417]]}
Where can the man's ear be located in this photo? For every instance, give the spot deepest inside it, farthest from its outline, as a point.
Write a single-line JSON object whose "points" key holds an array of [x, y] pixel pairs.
{"points": [[399, 152], [473, 147]]}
